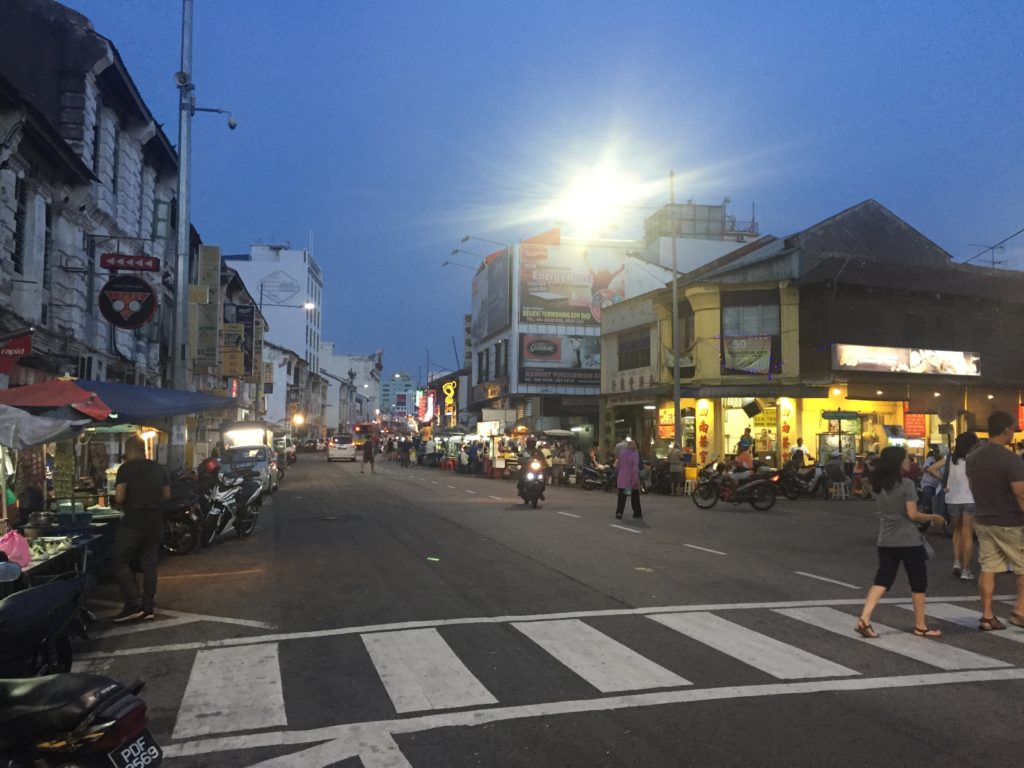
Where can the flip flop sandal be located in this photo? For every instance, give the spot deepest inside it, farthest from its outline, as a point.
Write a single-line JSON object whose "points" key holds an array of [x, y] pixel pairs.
{"points": [[990, 625], [1017, 620], [927, 632], [866, 630]]}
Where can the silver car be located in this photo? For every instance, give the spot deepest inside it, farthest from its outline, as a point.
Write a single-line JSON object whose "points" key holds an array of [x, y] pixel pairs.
{"points": [[261, 459]]}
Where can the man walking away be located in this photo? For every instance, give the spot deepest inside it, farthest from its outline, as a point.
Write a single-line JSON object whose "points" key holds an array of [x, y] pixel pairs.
{"points": [[141, 488], [996, 477], [367, 456]]}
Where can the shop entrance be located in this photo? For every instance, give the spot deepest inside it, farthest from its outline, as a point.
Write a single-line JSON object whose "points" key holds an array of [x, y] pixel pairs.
{"points": [[760, 416]]}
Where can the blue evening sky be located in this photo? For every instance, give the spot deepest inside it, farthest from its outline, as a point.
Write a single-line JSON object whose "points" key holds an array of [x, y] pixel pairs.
{"points": [[390, 129]]}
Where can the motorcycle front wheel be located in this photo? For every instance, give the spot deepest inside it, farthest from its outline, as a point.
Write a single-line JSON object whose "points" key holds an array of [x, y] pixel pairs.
{"points": [[209, 531], [706, 496], [533, 501], [790, 489], [180, 537], [762, 498], [246, 523]]}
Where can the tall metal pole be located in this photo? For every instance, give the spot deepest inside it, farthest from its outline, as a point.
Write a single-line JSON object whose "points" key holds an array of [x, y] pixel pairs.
{"points": [[186, 102], [676, 391]]}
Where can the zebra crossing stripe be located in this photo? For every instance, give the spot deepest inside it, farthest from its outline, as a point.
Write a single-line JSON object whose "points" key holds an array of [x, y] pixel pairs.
{"points": [[231, 686], [935, 654], [421, 672], [606, 664], [966, 618], [778, 659]]}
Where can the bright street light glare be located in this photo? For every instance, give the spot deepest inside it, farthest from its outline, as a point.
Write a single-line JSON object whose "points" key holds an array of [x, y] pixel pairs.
{"points": [[309, 305], [595, 197]]}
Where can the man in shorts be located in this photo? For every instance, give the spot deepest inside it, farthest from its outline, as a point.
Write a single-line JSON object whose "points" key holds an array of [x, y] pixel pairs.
{"points": [[996, 477]]}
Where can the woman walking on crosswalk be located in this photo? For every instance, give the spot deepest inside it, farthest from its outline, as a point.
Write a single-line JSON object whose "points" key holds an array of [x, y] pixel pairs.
{"points": [[899, 540]]}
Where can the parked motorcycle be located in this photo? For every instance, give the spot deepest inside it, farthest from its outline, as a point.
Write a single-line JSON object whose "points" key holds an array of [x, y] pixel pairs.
{"points": [[592, 477], [659, 478], [713, 483], [36, 625], [183, 515], [793, 483], [235, 499], [531, 487]]}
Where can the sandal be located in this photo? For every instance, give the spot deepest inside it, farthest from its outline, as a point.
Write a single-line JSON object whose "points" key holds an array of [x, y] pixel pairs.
{"points": [[927, 632], [1017, 619], [865, 630], [990, 625]]}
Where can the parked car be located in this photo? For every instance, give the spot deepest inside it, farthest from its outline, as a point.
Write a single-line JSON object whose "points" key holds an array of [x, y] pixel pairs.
{"points": [[261, 459], [341, 448], [285, 446]]}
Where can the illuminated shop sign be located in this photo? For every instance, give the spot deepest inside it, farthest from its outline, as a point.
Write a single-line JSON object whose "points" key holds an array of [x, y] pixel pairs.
{"points": [[853, 357], [449, 388]]}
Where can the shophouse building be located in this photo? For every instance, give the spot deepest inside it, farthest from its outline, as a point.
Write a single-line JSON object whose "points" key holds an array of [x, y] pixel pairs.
{"points": [[360, 398], [87, 176], [852, 334]]}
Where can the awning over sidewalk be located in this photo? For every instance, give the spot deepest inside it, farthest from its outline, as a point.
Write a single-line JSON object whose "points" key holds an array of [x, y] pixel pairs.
{"points": [[141, 405], [57, 394], [755, 390]]}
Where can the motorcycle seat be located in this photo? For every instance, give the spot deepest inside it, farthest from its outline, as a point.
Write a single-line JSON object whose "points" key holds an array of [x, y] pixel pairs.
{"points": [[51, 705]]}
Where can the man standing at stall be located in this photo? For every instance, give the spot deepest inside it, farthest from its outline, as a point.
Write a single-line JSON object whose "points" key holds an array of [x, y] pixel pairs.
{"points": [[141, 488]]}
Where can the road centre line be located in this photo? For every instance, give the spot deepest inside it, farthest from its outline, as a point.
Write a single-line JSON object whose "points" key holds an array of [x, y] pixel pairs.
{"points": [[705, 549], [825, 578], [220, 575], [359, 735], [473, 492], [623, 528], [450, 486], [651, 610], [567, 514], [434, 482], [496, 498]]}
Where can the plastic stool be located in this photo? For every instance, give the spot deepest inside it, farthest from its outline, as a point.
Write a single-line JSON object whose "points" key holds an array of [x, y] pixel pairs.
{"points": [[838, 491], [688, 487]]}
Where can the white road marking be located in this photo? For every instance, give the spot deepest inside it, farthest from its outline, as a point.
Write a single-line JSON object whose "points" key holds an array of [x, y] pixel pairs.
{"points": [[705, 549], [363, 735], [435, 482], [643, 611], [230, 688], [567, 514], [376, 750], [967, 618], [199, 616], [473, 492], [935, 654], [605, 663], [624, 528], [825, 578], [92, 666], [496, 498], [451, 486], [778, 659], [420, 671], [140, 626]]}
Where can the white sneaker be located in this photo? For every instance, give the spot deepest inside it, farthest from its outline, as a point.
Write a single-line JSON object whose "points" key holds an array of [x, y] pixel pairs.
{"points": [[966, 576]]}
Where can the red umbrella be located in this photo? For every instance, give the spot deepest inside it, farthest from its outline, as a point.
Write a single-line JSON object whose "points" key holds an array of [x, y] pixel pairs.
{"points": [[56, 394]]}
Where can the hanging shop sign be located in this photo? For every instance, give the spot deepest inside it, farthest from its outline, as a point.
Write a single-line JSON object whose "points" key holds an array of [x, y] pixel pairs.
{"points": [[12, 350], [130, 262], [127, 301], [449, 389], [915, 425], [854, 357]]}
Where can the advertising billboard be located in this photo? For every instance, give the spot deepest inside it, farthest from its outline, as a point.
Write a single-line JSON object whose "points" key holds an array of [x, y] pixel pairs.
{"points": [[854, 357], [560, 360], [491, 301], [569, 285]]}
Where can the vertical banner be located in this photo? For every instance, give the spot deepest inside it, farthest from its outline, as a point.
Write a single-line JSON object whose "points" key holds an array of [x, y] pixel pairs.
{"points": [[233, 350]]}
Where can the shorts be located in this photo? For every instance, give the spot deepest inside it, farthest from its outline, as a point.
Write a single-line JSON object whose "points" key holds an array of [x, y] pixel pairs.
{"points": [[959, 510], [913, 559], [1000, 546]]}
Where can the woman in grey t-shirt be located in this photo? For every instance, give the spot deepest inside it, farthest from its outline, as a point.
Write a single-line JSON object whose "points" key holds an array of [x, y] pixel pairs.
{"points": [[899, 540]]}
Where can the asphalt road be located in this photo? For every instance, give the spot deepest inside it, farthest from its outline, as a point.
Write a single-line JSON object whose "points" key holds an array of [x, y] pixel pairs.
{"points": [[414, 617]]}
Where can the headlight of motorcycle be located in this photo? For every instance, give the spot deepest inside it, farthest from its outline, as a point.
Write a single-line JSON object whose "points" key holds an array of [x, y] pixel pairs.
{"points": [[530, 476], [535, 466]]}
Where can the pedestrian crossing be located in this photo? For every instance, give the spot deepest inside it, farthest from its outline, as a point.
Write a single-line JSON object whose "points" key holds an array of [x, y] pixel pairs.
{"points": [[420, 672]]}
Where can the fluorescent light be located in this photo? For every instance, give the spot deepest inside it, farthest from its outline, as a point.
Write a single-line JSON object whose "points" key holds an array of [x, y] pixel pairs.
{"points": [[650, 407]]}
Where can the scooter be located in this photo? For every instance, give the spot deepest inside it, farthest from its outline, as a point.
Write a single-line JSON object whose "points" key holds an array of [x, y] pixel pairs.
{"points": [[183, 516], [531, 487], [793, 483], [36, 625], [235, 499], [593, 477], [712, 484]]}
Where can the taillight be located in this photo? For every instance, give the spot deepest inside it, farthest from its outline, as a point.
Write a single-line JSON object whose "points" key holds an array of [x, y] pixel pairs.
{"points": [[775, 478], [107, 737]]}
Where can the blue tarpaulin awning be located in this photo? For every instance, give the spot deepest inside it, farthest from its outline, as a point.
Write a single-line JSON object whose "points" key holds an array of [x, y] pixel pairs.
{"points": [[141, 405]]}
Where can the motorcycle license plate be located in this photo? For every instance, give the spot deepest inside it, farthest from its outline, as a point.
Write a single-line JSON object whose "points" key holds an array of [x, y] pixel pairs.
{"points": [[140, 752]]}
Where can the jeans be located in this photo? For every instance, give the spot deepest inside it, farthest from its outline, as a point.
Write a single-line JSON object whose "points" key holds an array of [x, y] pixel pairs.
{"points": [[142, 543]]}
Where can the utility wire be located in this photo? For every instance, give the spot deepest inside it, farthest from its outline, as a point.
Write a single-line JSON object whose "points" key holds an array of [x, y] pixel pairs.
{"points": [[993, 247]]}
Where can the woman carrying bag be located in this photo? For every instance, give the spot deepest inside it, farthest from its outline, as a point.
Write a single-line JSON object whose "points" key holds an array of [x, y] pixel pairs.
{"points": [[899, 541]]}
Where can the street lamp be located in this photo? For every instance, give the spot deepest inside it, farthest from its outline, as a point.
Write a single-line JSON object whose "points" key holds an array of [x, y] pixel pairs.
{"points": [[467, 238], [457, 264], [308, 305]]}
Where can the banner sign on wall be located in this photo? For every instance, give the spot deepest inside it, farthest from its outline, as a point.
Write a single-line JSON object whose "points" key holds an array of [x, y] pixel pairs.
{"points": [[492, 308], [751, 354], [569, 285], [553, 359], [12, 350], [854, 357]]}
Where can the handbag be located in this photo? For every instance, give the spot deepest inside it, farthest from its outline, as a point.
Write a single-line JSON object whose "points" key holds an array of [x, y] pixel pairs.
{"points": [[15, 546]]}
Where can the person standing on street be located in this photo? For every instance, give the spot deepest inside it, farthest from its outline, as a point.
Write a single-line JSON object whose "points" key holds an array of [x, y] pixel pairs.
{"points": [[141, 489], [675, 467], [899, 541], [952, 472], [627, 470], [367, 455], [996, 478]]}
